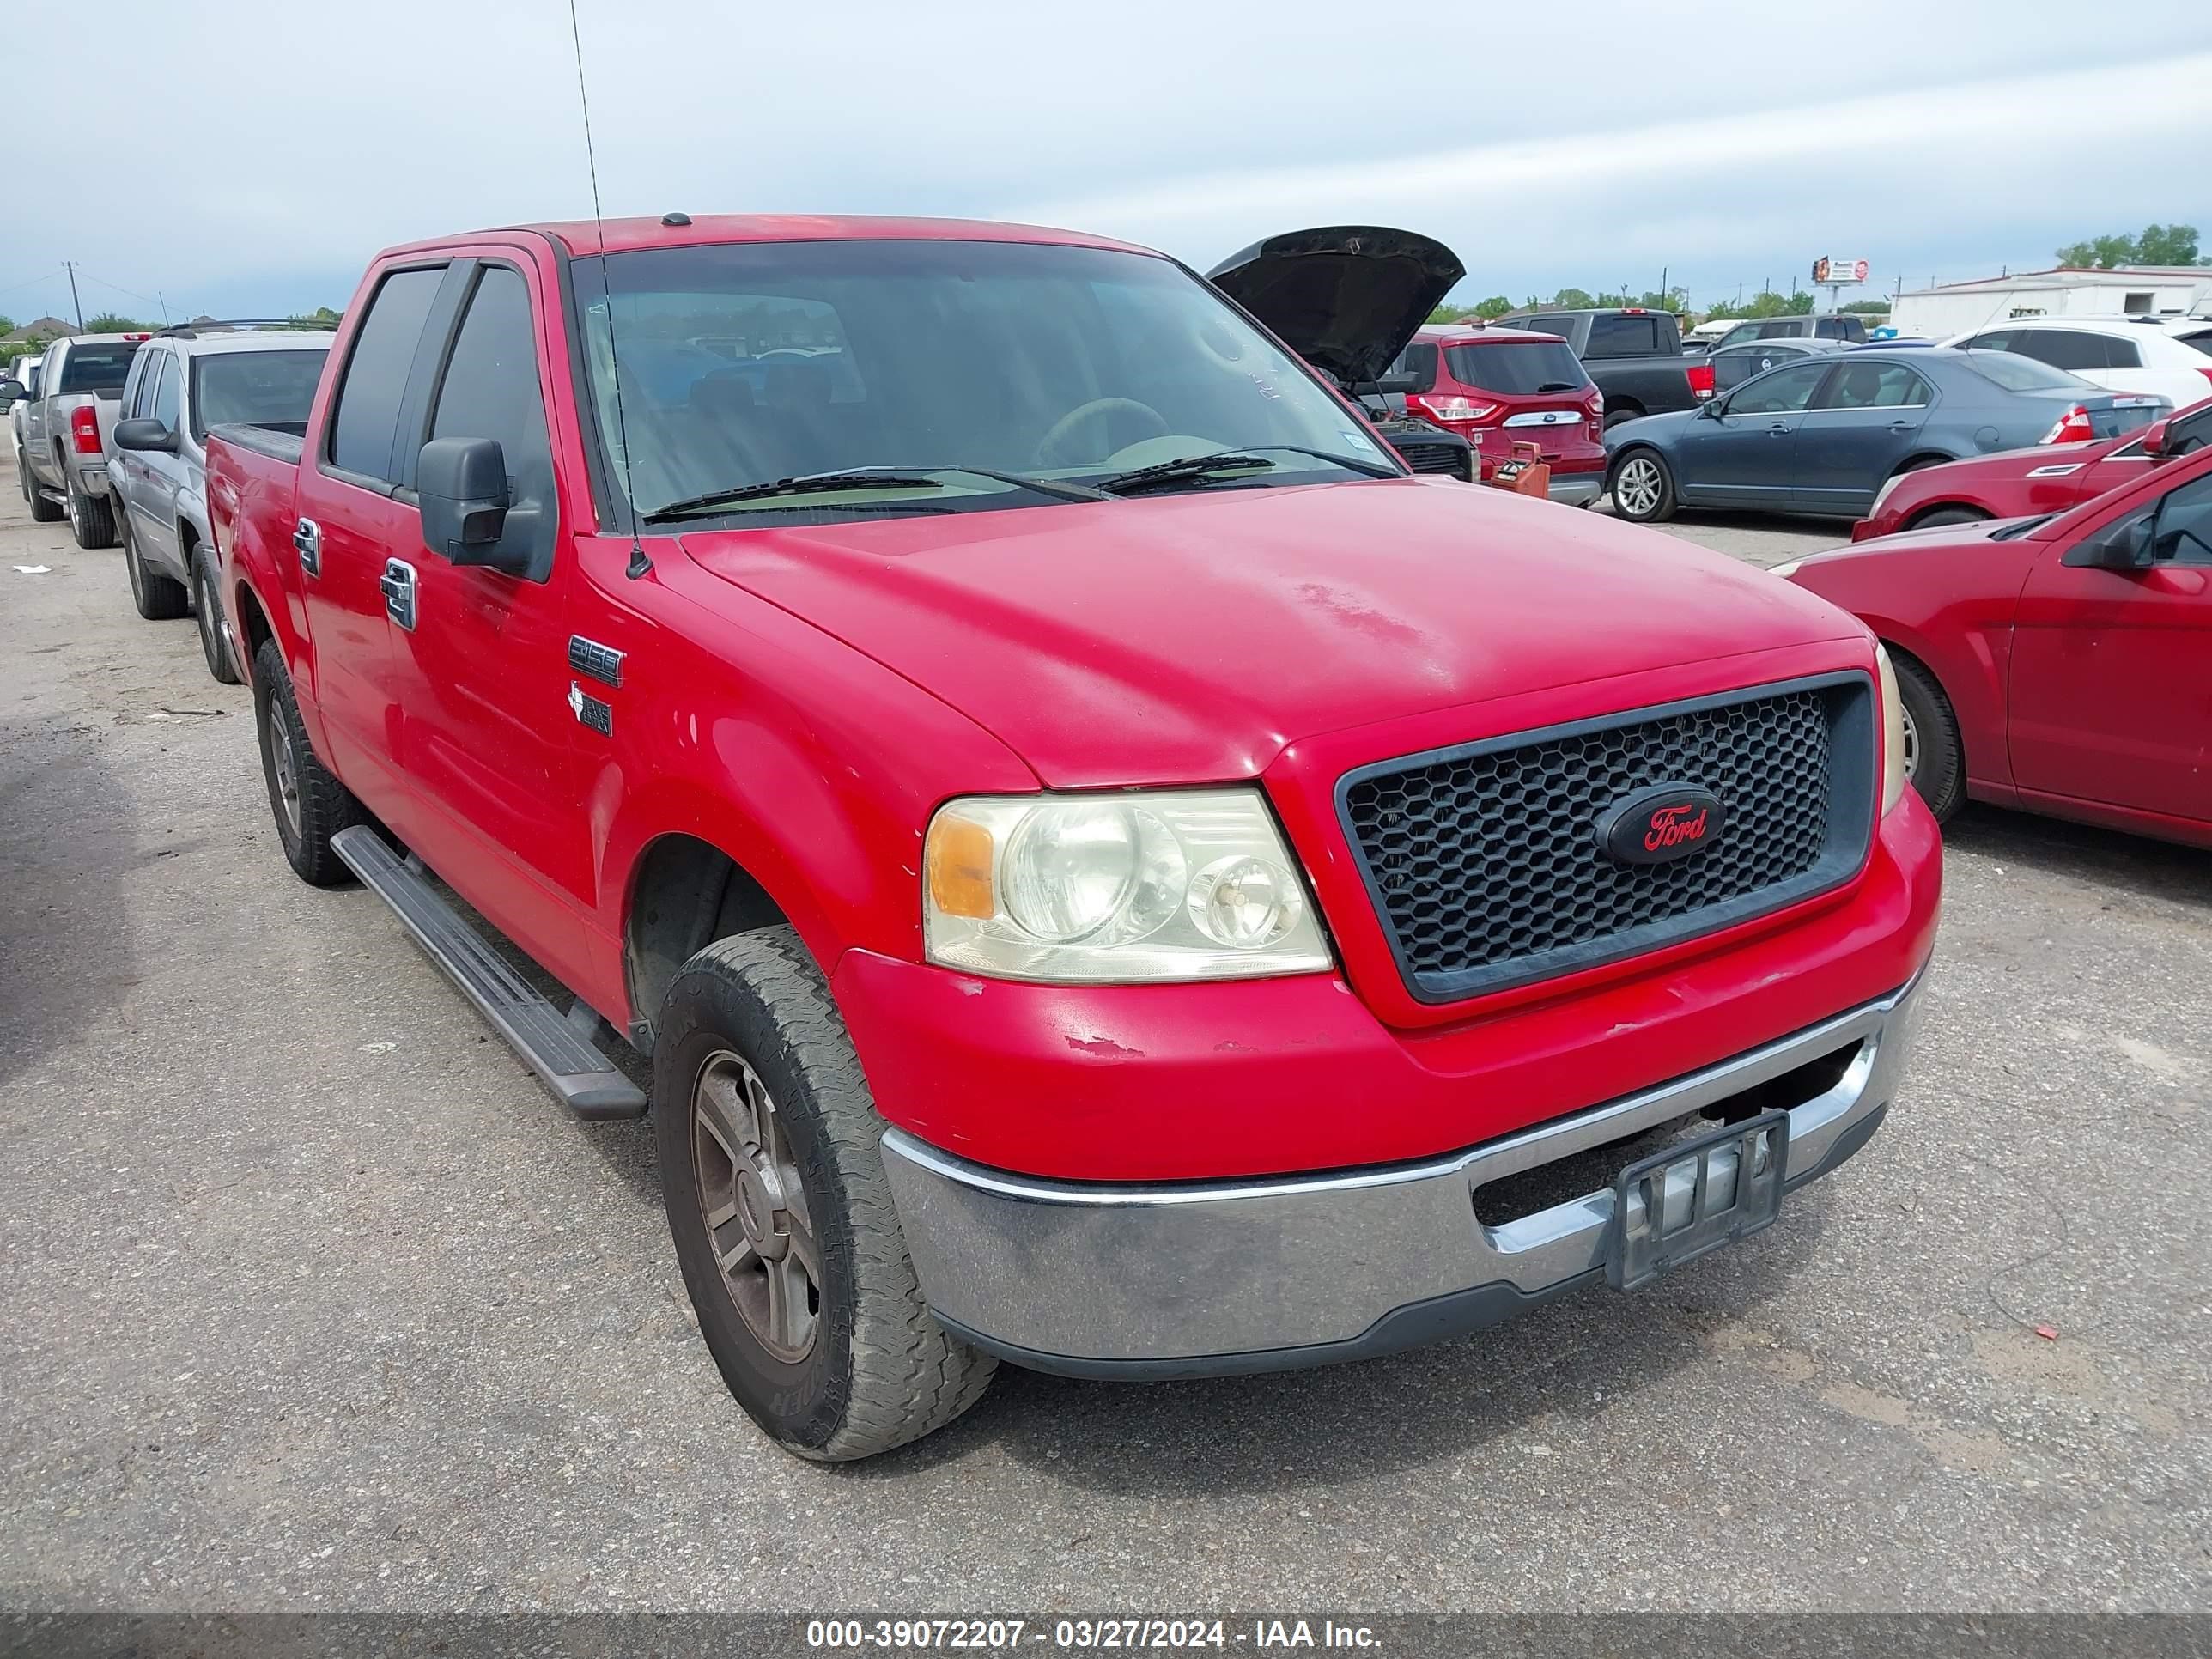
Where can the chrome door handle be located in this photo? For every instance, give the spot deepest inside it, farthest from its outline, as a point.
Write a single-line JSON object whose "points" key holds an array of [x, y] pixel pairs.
{"points": [[398, 585], [307, 538]]}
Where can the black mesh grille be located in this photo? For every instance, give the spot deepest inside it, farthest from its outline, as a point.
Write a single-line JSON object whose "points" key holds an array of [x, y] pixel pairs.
{"points": [[1486, 862], [1433, 457]]}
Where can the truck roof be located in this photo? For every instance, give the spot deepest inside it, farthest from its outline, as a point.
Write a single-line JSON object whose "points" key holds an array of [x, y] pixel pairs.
{"points": [[584, 236]]}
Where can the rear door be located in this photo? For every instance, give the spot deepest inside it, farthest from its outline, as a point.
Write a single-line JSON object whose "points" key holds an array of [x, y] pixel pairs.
{"points": [[1743, 455], [2111, 680], [349, 524], [1863, 422]]}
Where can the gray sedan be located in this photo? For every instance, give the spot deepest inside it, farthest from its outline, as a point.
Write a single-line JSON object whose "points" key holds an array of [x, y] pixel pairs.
{"points": [[1734, 365], [1823, 435]]}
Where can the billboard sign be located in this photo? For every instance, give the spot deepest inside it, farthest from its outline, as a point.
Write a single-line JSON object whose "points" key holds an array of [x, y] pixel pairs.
{"points": [[1834, 272]]}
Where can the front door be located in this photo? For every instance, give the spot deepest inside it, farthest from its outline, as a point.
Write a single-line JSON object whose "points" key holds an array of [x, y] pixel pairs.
{"points": [[1741, 453], [2112, 670], [348, 516], [489, 722], [158, 476], [1862, 424]]}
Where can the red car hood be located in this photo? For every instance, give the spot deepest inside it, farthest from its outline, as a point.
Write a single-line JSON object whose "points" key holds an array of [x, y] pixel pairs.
{"points": [[1191, 637]]}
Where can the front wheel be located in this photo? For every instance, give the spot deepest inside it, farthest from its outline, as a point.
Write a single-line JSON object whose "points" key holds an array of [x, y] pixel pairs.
{"points": [[1947, 515], [1643, 488], [783, 1224], [158, 598], [1935, 758]]}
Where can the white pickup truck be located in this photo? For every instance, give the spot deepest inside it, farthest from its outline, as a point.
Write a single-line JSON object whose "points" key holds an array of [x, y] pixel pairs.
{"points": [[61, 438]]}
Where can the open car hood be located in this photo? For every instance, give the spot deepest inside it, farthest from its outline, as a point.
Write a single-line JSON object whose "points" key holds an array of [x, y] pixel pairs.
{"points": [[1347, 298]]}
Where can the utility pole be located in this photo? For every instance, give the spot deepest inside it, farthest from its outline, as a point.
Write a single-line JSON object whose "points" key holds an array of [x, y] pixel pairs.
{"points": [[70, 266], [164, 304], [1664, 306]]}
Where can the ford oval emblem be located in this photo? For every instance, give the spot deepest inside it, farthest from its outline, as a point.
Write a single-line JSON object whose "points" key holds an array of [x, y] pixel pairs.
{"points": [[1658, 825]]}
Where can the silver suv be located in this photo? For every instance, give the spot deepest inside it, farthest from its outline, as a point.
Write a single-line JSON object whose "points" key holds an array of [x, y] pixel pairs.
{"points": [[61, 434], [185, 381]]}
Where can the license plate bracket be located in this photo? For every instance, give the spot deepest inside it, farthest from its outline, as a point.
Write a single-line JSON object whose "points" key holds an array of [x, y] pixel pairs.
{"points": [[1695, 1196]]}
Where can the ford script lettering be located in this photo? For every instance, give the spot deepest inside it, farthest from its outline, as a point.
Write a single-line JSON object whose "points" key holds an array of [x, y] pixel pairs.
{"points": [[1657, 825]]}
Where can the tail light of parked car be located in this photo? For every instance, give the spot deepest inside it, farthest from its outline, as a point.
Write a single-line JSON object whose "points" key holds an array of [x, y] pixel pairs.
{"points": [[2073, 428], [1453, 410], [84, 431], [1701, 379]]}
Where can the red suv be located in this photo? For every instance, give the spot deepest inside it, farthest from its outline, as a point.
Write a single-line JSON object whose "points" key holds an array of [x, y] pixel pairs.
{"points": [[1499, 386]]}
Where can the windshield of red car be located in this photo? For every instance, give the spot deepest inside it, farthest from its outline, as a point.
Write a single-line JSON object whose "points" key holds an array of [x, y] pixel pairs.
{"points": [[748, 362]]}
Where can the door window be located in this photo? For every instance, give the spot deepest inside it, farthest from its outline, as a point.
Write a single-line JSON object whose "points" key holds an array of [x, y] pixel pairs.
{"points": [[367, 410], [2063, 347], [2183, 532], [490, 387], [138, 387], [1419, 361], [1874, 386], [2123, 354], [1783, 393], [1623, 336], [1562, 326], [165, 392]]}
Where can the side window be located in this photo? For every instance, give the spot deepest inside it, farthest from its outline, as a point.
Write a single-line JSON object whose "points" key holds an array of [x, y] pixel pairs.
{"points": [[1562, 326], [1874, 385], [368, 411], [2063, 347], [490, 386], [2183, 531], [1783, 393], [2122, 354], [138, 390], [1830, 328], [165, 392], [2000, 341], [1623, 336], [1419, 361]]}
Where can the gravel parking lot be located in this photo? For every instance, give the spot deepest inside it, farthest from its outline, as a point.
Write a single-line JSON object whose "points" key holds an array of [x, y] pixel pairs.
{"points": [[314, 1299]]}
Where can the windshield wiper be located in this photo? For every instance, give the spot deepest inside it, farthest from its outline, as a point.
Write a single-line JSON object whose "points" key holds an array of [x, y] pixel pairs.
{"points": [[862, 478], [1230, 460], [810, 485], [1559, 386], [2015, 531]]}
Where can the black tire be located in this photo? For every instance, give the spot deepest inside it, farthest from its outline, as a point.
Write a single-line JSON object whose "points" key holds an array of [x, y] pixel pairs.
{"points": [[158, 598], [1938, 758], [42, 510], [1652, 505], [875, 1370], [1614, 418], [92, 518], [320, 805], [207, 607], [1947, 515]]}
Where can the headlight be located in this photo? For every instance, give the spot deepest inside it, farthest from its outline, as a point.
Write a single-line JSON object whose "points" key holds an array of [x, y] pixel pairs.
{"points": [[1885, 491], [1893, 732], [1146, 886], [1784, 571]]}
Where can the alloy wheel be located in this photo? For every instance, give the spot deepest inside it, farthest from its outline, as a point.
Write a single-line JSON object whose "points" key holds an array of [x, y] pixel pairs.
{"points": [[1637, 488], [758, 1224], [285, 761], [1911, 734]]}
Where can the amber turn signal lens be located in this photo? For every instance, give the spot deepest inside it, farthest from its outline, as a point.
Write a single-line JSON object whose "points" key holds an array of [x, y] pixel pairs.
{"points": [[957, 856]]}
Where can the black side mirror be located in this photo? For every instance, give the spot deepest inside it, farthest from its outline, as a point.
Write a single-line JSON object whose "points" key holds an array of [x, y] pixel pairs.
{"points": [[1712, 409], [2123, 546], [145, 433], [10, 391], [460, 486]]}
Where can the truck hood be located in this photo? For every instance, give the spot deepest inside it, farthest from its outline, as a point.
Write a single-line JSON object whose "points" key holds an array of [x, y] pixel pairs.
{"points": [[1346, 298], [1190, 638]]}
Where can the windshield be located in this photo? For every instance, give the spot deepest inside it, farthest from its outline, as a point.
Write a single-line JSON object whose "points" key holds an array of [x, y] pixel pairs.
{"points": [[1518, 367], [747, 363], [96, 368], [2017, 374], [255, 388]]}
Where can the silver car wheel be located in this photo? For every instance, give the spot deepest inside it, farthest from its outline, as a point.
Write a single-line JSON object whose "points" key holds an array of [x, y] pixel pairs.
{"points": [[1911, 734], [1637, 487]]}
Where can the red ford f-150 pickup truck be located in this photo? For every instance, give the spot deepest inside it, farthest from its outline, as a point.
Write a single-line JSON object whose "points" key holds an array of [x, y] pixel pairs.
{"points": [[1109, 870]]}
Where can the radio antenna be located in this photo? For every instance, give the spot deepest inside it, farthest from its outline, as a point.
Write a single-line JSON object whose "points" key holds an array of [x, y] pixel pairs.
{"points": [[639, 564]]}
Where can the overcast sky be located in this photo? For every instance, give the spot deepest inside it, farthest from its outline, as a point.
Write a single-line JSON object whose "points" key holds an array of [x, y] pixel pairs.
{"points": [[250, 157]]}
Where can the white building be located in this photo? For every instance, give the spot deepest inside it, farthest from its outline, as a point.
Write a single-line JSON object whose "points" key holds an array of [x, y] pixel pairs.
{"points": [[2068, 291]]}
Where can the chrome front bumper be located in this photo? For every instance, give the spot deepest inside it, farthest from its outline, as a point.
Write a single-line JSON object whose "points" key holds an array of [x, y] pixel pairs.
{"points": [[1193, 1278]]}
